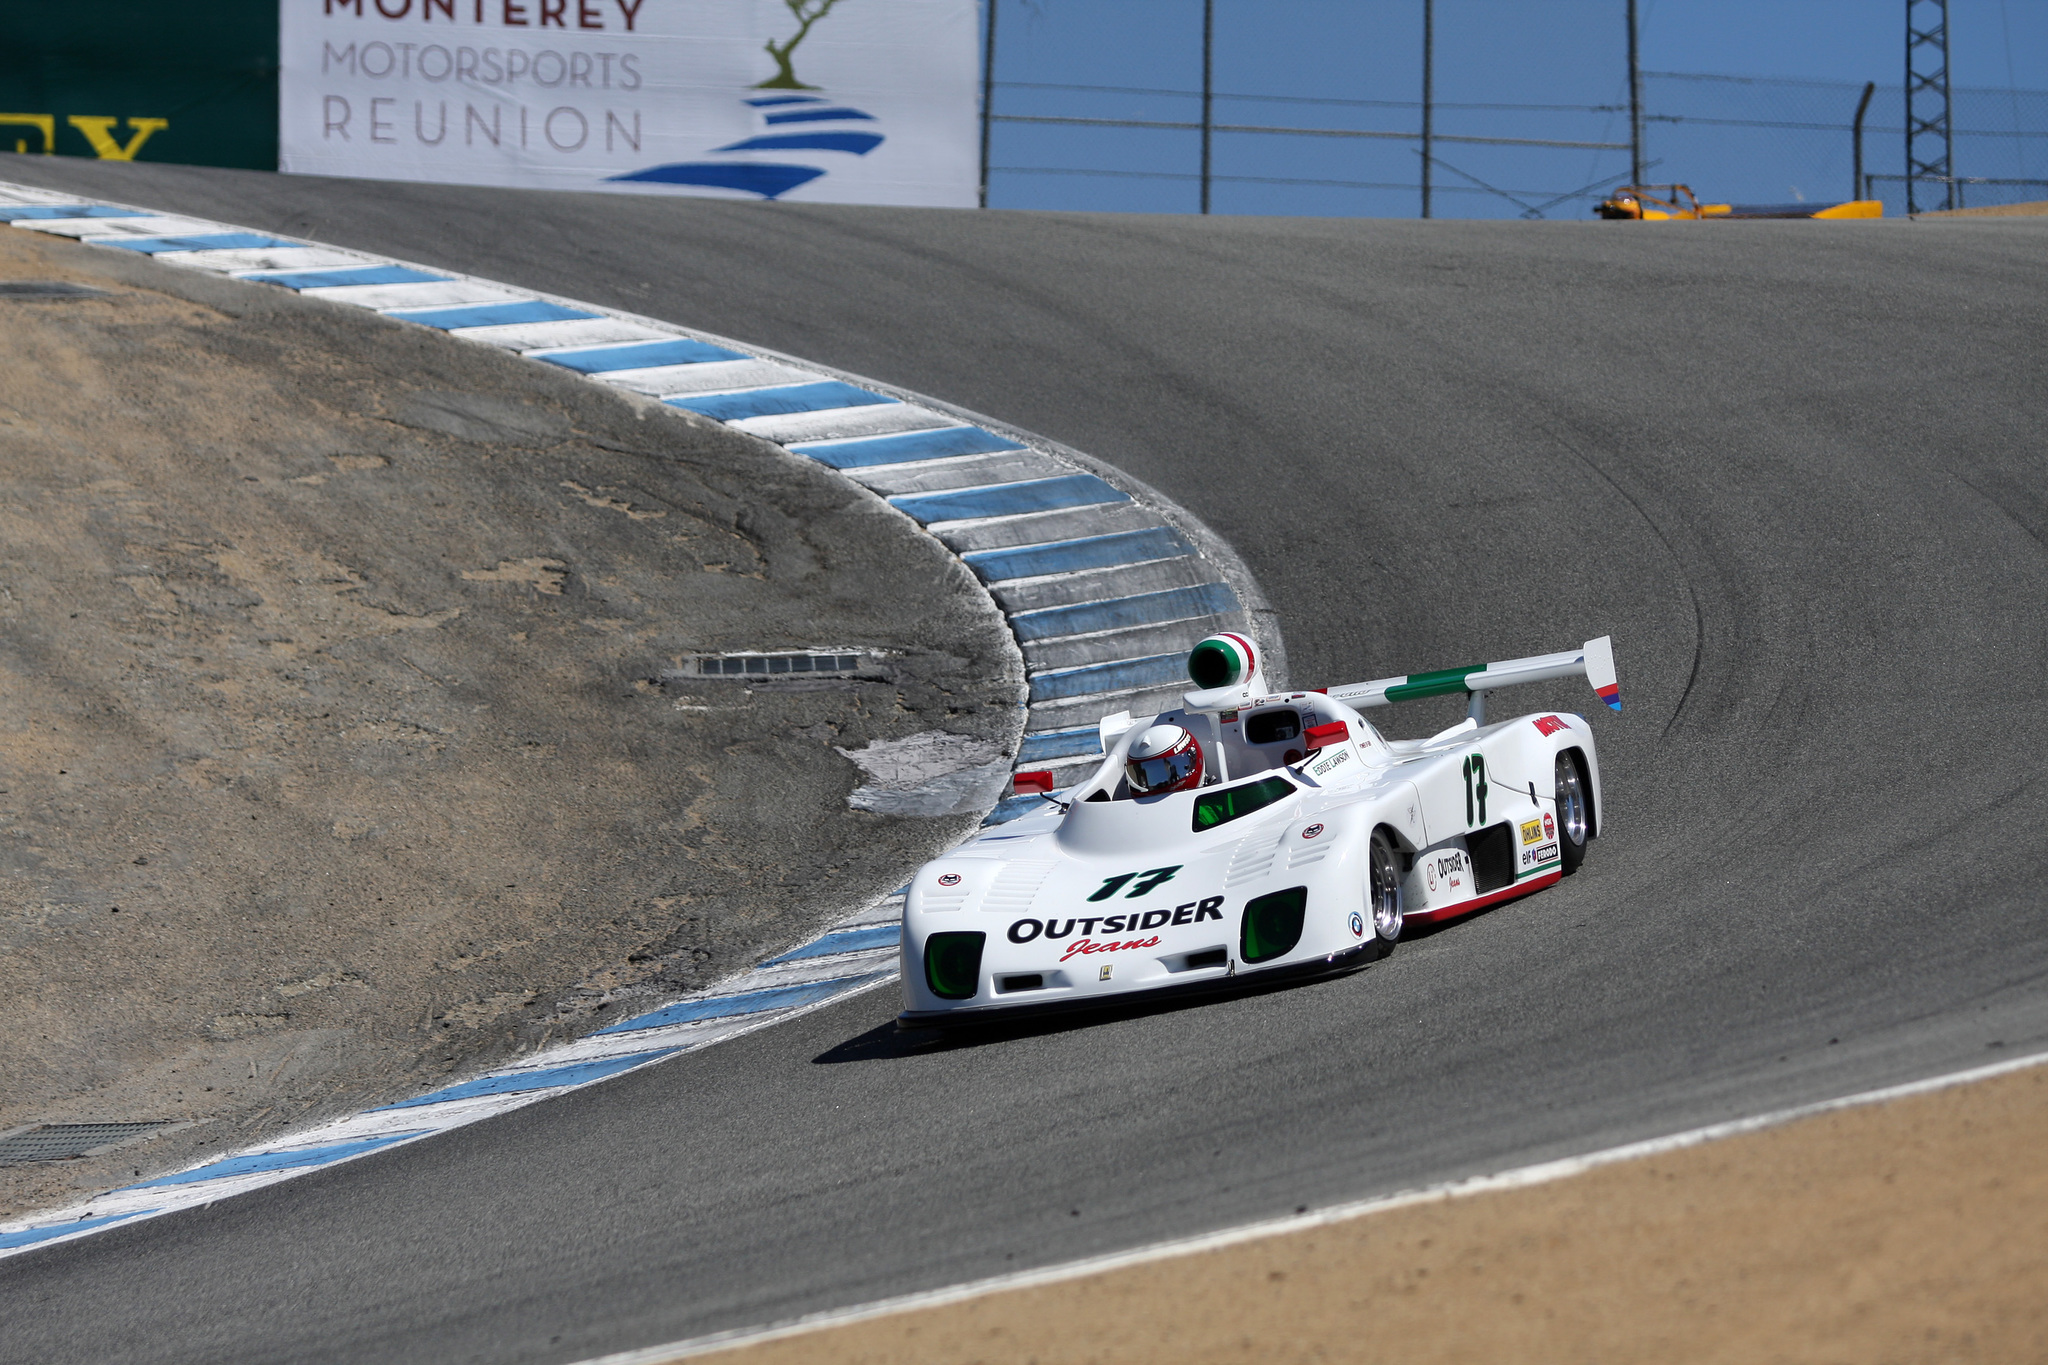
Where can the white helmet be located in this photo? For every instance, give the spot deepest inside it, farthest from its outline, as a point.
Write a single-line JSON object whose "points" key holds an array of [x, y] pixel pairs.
{"points": [[1163, 759]]}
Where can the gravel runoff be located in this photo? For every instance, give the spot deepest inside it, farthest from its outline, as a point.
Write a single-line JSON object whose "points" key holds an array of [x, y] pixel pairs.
{"points": [[343, 748]]}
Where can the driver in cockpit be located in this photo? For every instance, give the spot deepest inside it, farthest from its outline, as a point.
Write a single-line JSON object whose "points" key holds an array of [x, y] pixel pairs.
{"points": [[1164, 759]]}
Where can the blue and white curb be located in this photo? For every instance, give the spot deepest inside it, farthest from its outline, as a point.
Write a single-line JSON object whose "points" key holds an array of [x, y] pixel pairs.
{"points": [[1105, 591], [1105, 585], [855, 955]]}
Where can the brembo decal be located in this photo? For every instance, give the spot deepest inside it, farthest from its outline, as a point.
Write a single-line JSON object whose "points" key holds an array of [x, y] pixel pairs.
{"points": [[1194, 912]]}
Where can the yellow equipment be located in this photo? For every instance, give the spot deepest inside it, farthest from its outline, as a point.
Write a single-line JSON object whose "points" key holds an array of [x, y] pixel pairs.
{"points": [[1663, 202]]}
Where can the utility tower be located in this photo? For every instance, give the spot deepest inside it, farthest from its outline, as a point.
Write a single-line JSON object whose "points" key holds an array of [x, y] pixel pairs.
{"points": [[1930, 139]]}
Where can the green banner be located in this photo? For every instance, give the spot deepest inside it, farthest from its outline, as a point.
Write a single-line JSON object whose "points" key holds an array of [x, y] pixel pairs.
{"points": [[125, 80]]}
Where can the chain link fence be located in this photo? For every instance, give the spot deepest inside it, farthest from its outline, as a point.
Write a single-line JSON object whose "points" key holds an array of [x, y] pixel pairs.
{"points": [[1739, 139]]}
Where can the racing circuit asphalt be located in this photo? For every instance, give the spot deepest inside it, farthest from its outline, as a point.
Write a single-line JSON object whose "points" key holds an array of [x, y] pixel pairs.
{"points": [[1796, 469]]}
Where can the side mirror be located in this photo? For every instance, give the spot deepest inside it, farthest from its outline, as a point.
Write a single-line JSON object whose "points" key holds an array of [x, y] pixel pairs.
{"points": [[1318, 736], [1027, 784]]}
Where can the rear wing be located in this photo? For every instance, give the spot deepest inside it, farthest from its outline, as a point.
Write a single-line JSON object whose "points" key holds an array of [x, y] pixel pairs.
{"points": [[1593, 661]]}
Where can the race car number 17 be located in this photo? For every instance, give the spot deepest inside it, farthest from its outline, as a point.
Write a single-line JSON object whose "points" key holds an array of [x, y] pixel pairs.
{"points": [[1475, 785], [1111, 885]]}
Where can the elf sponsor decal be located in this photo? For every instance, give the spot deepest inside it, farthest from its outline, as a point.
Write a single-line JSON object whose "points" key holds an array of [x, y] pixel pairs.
{"points": [[1549, 725], [1194, 912], [1532, 831], [1536, 857]]}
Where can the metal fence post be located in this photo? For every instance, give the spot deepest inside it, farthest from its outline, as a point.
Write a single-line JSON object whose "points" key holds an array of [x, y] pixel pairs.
{"points": [[1635, 102], [1428, 93], [988, 93], [1208, 89], [1856, 182]]}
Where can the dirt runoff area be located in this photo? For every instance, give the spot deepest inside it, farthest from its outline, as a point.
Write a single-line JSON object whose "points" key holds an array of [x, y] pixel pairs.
{"points": [[1907, 1233], [337, 755]]}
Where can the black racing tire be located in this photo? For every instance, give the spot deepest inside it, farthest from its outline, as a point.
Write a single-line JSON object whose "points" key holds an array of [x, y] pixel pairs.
{"points": [[1383, 906], [1574, 811]]}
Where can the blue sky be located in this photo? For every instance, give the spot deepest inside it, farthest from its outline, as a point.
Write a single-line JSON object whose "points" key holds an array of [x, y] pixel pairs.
{"points": [[1356, 64]]}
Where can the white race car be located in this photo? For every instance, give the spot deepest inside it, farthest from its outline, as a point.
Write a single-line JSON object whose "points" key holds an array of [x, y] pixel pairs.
{"points": [[1247, 834]]}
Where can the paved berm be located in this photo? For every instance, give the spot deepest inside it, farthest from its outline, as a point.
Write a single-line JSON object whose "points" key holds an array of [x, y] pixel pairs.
{"points": [[335, 756], [1911, 1233]]}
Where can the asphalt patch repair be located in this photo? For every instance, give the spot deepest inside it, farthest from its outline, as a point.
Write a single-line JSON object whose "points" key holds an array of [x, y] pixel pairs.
{"points": [[1911, 1232], [345, 746]]}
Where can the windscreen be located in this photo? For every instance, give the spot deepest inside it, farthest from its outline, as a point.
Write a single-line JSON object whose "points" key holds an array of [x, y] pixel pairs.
{"points": [[1213, 808]]}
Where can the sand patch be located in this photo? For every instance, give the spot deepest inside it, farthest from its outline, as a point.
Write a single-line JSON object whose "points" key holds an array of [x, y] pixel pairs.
{"points": [[1911, 1232]]}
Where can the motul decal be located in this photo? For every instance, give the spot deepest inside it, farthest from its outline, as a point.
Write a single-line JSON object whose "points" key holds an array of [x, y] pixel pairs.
{"points": [[1194, 912]]}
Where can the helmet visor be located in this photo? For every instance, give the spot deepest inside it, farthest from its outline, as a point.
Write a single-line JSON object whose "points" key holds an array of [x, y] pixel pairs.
{"points": [[1157, 774]]}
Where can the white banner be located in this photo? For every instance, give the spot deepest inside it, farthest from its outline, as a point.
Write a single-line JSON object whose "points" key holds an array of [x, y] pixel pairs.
{"points": [[840, 101]]}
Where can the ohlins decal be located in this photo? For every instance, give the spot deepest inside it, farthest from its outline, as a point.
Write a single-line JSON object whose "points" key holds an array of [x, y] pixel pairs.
{"points": [[1194, 912]]}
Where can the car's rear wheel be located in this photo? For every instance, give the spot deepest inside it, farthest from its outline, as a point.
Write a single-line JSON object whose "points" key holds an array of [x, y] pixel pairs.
{"points": [[1383, 892], [1574, 813]]}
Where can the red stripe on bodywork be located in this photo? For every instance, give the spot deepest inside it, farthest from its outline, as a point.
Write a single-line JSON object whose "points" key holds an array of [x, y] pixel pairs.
{"points": [[1450, 912]]}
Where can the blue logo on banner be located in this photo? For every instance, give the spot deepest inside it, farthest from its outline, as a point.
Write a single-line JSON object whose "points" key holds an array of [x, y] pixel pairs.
{"points": [[793, 123]]}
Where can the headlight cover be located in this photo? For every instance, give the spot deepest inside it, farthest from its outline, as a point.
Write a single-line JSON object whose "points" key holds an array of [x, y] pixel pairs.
{"points": [[1272, 924], [952, 964]]}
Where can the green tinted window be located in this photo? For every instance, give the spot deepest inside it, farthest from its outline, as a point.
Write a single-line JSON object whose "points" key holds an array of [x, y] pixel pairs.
{"points": [[1233, 803], [1272, 924]]}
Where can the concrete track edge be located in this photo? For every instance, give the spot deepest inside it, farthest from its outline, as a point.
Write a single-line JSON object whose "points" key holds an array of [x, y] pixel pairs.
{"points": [[1519, 1177]]}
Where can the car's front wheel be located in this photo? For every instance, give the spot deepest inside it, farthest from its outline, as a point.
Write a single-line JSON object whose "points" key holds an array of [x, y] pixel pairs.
{"points": [[1383, 892], [1574, 813]]}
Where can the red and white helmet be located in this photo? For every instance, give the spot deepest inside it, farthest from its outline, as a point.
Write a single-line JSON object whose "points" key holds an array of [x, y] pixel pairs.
{"points": [[1163, 759]]}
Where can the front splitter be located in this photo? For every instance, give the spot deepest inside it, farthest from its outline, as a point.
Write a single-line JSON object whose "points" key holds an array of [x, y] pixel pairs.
{"points": [[1242, 982]]}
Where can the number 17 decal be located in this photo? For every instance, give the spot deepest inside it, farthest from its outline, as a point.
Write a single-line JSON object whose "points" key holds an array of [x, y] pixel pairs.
{"points": [[1111, 885], [1475, 786]]}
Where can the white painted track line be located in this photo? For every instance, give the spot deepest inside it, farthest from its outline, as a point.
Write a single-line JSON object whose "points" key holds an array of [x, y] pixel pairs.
{"points": [[1520, 1177]]}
